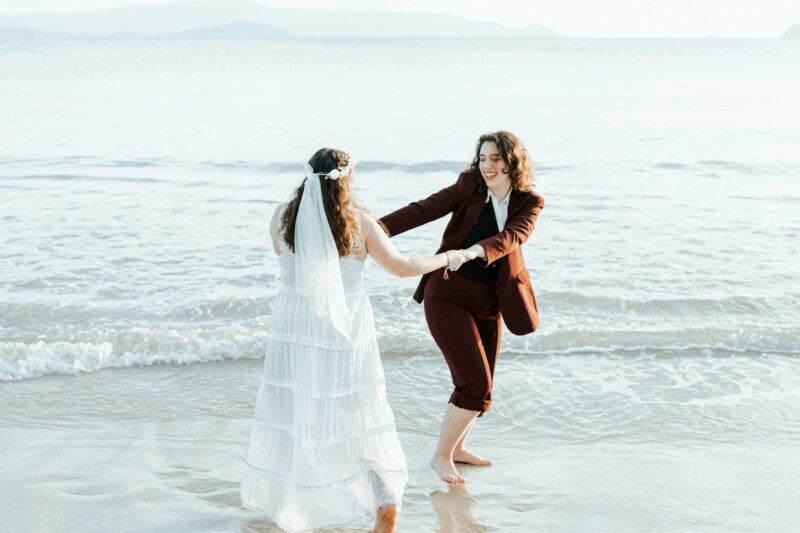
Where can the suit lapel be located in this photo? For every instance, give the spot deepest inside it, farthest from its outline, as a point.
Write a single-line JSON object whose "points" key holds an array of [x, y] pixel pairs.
{"points": [[474, 208], [514, 203], [472, 211]]}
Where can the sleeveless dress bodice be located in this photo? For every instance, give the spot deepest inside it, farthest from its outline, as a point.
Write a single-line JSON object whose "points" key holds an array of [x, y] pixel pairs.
{"points": [[352, 270]]}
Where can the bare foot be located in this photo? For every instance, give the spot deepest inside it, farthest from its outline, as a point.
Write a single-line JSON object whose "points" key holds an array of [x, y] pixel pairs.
{"points": [[466, 456], [387, 516], [446, 470]]}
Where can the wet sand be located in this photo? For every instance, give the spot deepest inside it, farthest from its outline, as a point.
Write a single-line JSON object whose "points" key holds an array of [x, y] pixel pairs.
{"points": [[161, 449]]}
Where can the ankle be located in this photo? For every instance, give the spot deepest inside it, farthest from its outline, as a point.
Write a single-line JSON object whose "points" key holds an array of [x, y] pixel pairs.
{"points": [[389, 510], [445, 456], [386, 519]]}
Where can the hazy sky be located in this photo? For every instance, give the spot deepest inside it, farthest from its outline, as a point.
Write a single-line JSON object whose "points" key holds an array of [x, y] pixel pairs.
{"points": [[579, 18]]}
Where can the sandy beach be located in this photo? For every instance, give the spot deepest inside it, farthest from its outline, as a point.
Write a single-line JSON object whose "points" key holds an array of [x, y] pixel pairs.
{"points": [[161, 449]]}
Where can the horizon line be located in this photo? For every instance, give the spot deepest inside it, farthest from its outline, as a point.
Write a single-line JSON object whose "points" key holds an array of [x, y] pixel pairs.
{"points": [[560, 34]]}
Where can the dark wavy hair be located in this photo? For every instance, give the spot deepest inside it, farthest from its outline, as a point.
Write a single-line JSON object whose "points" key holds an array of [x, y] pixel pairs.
{"points": [[515, 156], [337, 197]]}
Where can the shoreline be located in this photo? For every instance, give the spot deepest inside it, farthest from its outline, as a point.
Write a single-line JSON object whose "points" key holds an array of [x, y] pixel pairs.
{"points": [[161, 449]]}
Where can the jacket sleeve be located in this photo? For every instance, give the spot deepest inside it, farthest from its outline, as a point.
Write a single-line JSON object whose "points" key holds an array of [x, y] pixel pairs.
{"points": [[423, 211], [516, 232]]}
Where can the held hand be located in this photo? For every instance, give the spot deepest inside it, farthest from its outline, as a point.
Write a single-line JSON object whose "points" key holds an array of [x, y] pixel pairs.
{"points": [[455, 258], [469, 255]]}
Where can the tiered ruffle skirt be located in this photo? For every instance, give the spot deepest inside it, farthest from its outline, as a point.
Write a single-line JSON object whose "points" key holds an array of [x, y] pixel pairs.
{"points": [[324, 449]]}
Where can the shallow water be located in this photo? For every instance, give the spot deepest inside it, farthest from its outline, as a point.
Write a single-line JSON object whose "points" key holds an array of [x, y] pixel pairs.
{"points": [[610, 443], [141, 175], [660, 394]]}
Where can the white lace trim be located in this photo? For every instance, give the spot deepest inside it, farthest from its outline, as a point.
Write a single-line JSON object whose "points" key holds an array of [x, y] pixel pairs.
{"points": [[317, 395], [316, 343], [289, 286], [349, 479], [309, 444]]}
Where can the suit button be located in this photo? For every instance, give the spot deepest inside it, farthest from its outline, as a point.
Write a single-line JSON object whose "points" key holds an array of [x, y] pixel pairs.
{"points": [[498, 284]]}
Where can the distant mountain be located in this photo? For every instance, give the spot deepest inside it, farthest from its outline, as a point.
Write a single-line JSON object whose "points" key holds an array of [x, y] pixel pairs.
{"points": [[7, 32], [188, 16], [793, 32], [236, 30]]}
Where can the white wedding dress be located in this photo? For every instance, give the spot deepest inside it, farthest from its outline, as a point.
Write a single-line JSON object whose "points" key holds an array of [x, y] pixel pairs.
{"points": [[324, 450]]}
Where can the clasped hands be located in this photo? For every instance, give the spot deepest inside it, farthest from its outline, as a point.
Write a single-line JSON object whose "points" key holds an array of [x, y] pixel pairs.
{"points": [[456, 258]]}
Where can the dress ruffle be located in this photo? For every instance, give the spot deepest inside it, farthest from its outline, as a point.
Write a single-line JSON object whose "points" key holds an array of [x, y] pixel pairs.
{"points": [[324, 449]]}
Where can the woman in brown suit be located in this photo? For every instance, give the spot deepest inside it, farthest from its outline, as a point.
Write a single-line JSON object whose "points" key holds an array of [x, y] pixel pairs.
{"points": [[493, 212]]}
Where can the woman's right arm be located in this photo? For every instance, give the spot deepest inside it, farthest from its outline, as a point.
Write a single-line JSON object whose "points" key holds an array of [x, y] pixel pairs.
{"points": [[381, 249]]}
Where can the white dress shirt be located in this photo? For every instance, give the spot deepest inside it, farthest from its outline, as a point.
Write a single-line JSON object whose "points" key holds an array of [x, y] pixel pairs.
{"points": [[500, 208]]}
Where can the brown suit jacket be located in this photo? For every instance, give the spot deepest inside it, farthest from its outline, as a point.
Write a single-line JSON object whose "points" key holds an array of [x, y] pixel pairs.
{"points": [[465, 200]]}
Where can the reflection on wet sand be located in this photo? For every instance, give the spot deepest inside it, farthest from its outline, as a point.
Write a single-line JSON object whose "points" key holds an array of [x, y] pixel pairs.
{"points": [[454, 510]]}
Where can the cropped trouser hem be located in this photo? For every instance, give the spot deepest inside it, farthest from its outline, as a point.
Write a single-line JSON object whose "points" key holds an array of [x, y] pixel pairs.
{"points": [[470, 404]]}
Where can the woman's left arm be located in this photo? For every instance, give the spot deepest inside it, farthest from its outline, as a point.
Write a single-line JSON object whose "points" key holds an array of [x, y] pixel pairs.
{"points": [[517, 230], [274, 231]]}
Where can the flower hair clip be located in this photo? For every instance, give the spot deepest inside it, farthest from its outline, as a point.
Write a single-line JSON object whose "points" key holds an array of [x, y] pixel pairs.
{"points": [[334, 174]]}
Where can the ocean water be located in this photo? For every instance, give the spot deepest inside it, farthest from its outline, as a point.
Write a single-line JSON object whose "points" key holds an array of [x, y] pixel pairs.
{"points": [[137, 179]]}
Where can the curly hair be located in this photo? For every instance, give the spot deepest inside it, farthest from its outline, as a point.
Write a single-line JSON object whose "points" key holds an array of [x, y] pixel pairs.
{"points": [[515, 156], [337, 198]]}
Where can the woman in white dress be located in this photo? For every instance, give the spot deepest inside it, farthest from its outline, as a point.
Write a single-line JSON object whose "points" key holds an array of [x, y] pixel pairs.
{"points": [[324, 449]]}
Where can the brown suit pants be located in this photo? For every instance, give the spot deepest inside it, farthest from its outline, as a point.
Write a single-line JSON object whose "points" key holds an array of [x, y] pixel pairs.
{"points": [[464, 319]]}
